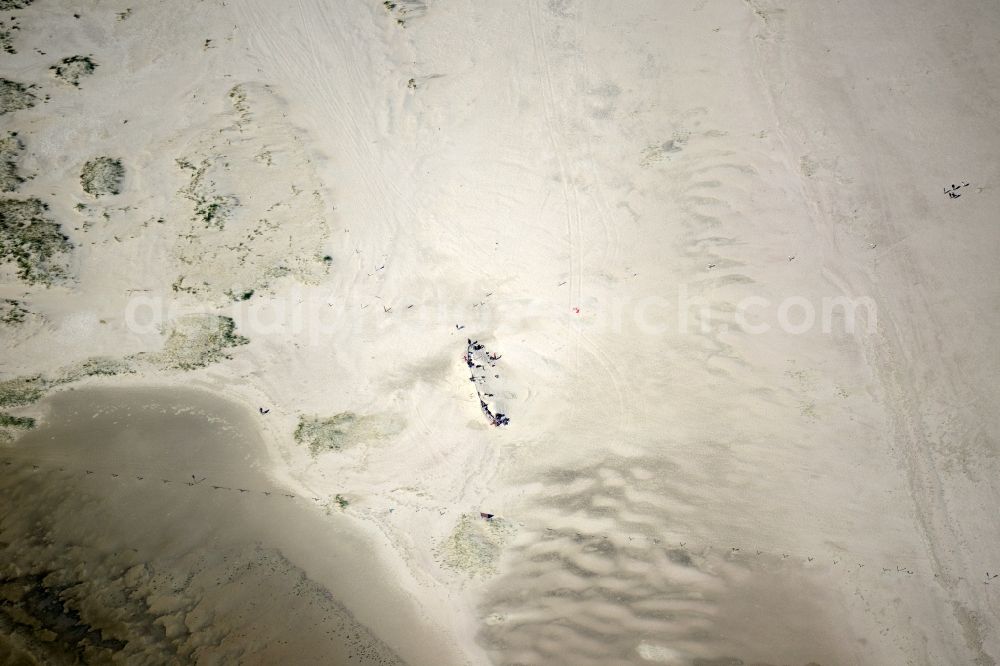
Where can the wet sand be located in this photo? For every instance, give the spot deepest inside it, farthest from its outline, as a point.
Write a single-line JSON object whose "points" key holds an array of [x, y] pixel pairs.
{"points": [[137, 528]]}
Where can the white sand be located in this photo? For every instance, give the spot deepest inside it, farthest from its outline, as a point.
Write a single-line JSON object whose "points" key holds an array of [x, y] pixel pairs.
{"points": [[557, 175]]}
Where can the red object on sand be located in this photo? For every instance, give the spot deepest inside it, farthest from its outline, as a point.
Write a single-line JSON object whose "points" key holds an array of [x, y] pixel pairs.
{"points": [[576, 310]]}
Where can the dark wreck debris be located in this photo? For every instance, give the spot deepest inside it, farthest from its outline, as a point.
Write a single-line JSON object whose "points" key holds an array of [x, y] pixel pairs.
{"points": [[476, 359], [952, 191]]}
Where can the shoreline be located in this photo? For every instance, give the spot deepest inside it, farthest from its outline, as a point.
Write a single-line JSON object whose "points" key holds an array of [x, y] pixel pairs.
{"points": [[343, 559]]}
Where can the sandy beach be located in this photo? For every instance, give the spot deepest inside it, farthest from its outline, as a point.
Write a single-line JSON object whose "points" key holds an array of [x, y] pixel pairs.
{"points": [[269, 272]]}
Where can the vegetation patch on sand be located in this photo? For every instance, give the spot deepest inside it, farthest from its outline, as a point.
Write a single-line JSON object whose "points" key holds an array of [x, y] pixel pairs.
{"points": [[342, 431], [18, 392], [9, 425], [13, 312], [210, 209], [21, 391], [198, 340], [475, 545], [654, 154], [96, 366], [238, 98], [11, 148], [6, 5], [28, 389], [31, 241], [19, 422], [102, 176], [253, 202], [194, 342], [336, 502], [24, 390], [73, 68], [15, 96], [7, 31]]}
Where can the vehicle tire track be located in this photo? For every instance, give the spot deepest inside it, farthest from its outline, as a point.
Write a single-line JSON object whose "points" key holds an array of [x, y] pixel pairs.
{"points": [[570, 193]]}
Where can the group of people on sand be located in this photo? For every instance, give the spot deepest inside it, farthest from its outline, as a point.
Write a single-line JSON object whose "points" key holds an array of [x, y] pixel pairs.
{"points": [[498, 419]]}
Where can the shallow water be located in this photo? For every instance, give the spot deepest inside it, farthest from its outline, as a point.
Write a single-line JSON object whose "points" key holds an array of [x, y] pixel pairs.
{"points": [[137, 526]]}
